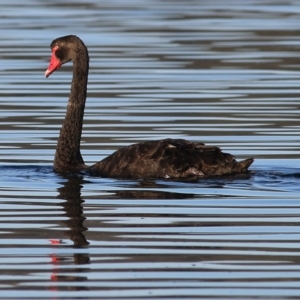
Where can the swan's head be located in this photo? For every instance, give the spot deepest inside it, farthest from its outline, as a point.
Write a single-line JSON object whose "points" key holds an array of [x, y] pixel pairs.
{"points": [[63, 50]]}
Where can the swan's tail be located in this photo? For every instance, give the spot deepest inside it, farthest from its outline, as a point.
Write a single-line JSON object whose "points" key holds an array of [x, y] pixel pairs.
{"points": [[242, 166]]}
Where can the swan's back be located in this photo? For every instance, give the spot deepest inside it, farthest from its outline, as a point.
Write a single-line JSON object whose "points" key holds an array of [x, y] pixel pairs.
{"points": [[168, 158]]}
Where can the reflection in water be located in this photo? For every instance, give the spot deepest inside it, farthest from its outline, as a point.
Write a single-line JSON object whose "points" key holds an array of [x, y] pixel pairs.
{"points": [[73, 209], [132, 194], [71, 192]]}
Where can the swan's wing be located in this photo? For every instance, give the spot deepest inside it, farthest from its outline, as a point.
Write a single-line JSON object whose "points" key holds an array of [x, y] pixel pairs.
{"points": [[169, 158]]}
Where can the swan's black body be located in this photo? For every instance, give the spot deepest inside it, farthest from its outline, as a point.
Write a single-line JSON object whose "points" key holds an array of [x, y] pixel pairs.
{"points": [[167, 158]]}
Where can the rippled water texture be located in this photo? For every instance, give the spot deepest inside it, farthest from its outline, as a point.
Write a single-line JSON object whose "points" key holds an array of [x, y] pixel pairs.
{"points": [[221, 72]]}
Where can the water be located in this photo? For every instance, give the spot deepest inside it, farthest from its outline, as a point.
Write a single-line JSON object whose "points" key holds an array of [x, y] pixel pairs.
{"points": [[226, 74]]}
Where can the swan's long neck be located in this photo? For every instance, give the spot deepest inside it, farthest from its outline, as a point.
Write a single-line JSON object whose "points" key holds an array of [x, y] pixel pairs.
{"points": [[68, 156]]}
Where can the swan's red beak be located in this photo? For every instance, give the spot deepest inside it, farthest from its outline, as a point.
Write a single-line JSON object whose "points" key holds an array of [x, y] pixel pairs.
{"points": [[54, 63]]}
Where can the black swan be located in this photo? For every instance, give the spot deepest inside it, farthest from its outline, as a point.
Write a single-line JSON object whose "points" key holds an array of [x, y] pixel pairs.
{"points": [[168, 158]]}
